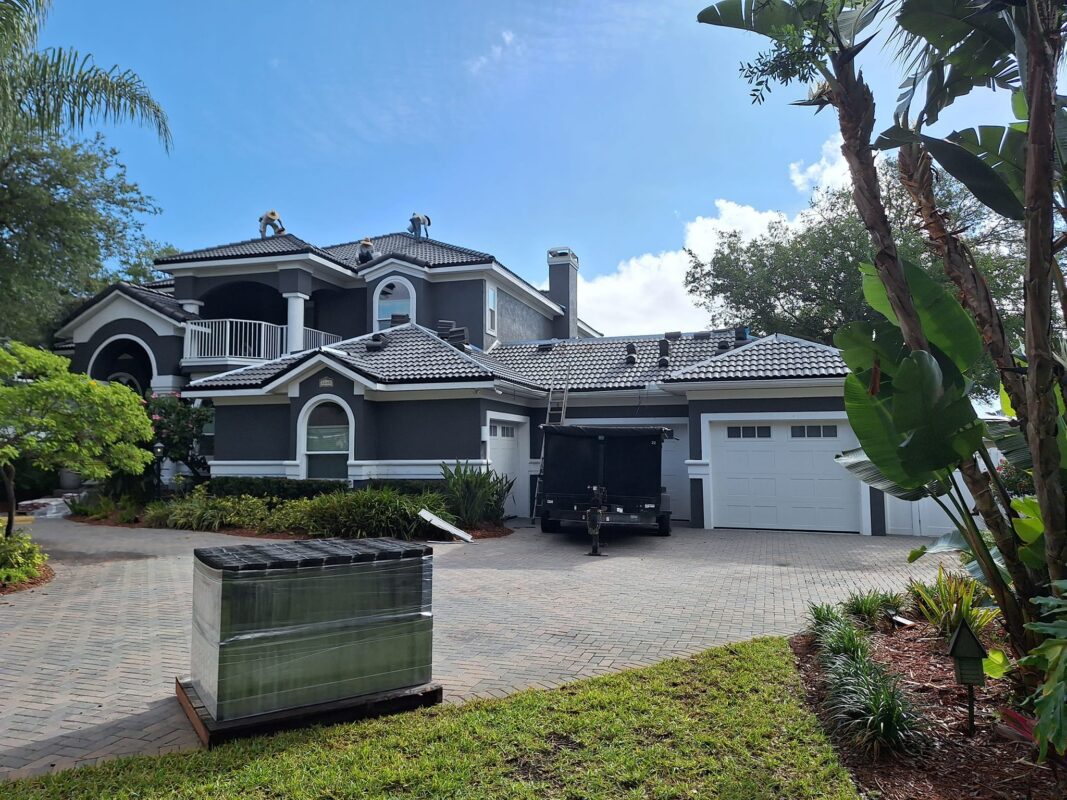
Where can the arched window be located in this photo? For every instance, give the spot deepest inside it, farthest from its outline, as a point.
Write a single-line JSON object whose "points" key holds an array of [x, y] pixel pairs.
{"points": [[327, 441], [394, 297]]}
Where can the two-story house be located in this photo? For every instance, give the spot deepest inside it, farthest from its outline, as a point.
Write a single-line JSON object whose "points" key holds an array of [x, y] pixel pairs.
{"points": [[382, 358]]}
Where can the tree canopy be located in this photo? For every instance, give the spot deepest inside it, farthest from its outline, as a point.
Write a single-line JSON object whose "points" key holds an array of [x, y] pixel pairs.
{"points": [[801, 278], [71, 222], [55, 418]]}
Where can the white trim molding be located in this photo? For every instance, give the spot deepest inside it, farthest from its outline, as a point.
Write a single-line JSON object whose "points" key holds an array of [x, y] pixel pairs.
{"points": [[412, 297], [302, 429], [405, 469], [130, 337]]}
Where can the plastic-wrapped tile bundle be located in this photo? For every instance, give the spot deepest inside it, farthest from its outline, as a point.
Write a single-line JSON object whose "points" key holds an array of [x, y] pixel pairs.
{"points": [[290, 624]]}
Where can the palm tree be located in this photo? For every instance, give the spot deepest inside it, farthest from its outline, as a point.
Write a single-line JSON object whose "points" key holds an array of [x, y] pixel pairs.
{"points": [[58, 89]]}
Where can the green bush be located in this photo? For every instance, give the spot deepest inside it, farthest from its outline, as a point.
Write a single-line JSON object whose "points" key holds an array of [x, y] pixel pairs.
{"points": [[21, 559], [843, 639], [950, 598], [156, 515], [868, 708], [869, 607], [200, 511], [823, 615], [280, 488], [476, 495], [407, 486], [358, 514]]}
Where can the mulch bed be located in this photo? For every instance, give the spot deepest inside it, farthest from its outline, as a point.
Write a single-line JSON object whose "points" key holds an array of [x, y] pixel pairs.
{"points": [[955, 767], [47, 573], [495, 532]]}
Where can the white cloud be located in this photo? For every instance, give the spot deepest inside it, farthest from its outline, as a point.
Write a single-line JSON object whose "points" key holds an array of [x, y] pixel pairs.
{"points": [[830, 171], [496, 53], [646, 294]]}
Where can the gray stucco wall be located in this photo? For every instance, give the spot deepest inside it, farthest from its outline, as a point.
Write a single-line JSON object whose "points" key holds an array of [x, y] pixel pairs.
{"points": [[340, 311], [167, 350], [464, 302], [518, 322], [252, 433], [445, 429]]}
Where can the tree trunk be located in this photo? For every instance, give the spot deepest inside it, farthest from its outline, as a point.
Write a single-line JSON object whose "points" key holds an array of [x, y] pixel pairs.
{"points": [[916, 175], [855, 114], [1043, 48], [8, 472]]}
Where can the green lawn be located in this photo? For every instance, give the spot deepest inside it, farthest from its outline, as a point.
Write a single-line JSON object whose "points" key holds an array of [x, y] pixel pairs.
{"points": [[729, 723]]}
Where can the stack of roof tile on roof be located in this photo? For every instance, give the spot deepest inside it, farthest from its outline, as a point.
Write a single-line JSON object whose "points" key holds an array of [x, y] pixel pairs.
{"points": [[404, 245], [600, 363], [411, 354], [775, 356], [285, 244]]}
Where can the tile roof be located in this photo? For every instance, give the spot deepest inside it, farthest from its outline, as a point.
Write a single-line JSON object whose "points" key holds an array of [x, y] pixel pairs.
{"points": [[600, 363], [412, 354], [283, 245], [772, 357], [158, 301], [428, 252]]}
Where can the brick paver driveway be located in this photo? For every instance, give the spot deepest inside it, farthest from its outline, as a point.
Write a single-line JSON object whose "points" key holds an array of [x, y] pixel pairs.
{"points": [[87, 663]]}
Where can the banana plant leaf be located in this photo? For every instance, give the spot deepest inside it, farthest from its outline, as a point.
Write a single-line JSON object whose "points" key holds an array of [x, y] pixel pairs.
{"points": [[945, 323], [1012, 444], [1003, 148], [864, 345], [759, 16], [856, 462], [988, 187], [945, 24]]}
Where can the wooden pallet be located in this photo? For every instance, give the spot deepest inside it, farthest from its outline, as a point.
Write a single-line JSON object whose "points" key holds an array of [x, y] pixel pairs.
{"points": [[213, 732]]}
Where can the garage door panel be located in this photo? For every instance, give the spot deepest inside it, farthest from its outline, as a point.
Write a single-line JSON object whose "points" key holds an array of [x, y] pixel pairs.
{"points": [[784, 482]]}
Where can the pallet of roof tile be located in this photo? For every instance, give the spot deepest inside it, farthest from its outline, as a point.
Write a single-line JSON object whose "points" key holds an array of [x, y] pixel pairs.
{"points": [[212, 732]]}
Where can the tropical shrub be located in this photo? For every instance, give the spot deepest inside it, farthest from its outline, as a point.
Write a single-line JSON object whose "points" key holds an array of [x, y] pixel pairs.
{"points": [[279, 488], [843, 639], [823, 615], [358, 514], [21, 559], [200, 511], [156, 515], [868, 708], [950, 598], [1050, 699], [869, 607], [476, 495]]}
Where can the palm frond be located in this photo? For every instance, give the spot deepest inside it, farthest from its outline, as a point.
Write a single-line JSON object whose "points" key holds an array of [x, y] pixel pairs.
{"points": [[60, 88]]}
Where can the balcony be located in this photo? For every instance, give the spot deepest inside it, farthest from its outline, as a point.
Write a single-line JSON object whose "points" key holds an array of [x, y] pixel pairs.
{"points": [[244, 341]]}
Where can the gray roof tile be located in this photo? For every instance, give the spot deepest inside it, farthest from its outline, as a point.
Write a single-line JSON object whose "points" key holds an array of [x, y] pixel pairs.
{"points": [[283, 245], [430, 252], [772, 357], [412, 354], [600, 363], [158, 301]]}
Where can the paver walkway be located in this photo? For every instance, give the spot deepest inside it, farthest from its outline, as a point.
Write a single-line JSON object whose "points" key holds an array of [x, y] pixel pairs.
{"points": [[87, 662]]}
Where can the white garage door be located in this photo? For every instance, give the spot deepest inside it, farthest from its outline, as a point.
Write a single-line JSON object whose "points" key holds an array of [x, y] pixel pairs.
{"points": [[783, 476], [675, 473], [504, 458]]}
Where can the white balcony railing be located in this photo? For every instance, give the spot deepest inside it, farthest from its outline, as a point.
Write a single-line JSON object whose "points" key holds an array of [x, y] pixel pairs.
{"points": [[314, 338], [244, 340]]}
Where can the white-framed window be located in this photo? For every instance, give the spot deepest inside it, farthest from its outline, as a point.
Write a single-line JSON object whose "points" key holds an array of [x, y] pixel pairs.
{"points": [[502, 430], [394, 297], [490, 309], [813, 431], [748, 432], [494, 430]]}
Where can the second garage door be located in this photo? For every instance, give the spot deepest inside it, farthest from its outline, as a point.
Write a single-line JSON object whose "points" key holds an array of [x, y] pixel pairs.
{"points": [[783, 476]]}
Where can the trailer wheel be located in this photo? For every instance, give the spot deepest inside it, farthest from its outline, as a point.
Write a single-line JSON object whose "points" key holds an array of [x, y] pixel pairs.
{"points": [[549, 525], [664, 525]]}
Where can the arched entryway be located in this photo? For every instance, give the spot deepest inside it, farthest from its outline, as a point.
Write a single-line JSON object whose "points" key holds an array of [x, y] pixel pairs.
{"points": [[126, 360], [326, 434]]}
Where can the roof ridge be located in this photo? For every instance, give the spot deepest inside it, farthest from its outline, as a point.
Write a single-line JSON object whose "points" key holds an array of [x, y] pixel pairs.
{"points": [[621, 338]]}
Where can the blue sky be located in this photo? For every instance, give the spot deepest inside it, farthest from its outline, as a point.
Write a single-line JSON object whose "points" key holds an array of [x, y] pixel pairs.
{"points": [[620, 129]]}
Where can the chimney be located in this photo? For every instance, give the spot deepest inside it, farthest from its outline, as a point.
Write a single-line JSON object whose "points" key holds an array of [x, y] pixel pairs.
{"points": [[563, 289]]}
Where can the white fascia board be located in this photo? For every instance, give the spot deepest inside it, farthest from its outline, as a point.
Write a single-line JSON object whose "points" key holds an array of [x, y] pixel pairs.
{"points": [[777, 387], [589, 329], [66, 331], [251, 266], [652, 393], [313, 365]]}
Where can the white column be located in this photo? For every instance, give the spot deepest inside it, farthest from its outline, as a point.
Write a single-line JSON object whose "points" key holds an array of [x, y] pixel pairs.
{"points": [[294, 336]]}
